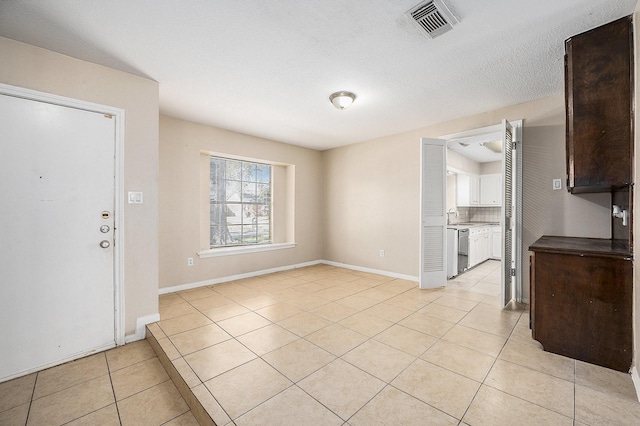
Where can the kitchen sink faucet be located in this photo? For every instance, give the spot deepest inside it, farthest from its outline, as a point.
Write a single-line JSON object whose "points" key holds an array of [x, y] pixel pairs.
{"points": [[450, 211]]}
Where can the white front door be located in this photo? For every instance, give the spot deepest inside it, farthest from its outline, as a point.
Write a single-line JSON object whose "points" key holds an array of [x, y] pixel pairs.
{"points": [[433, 188], [57, 191]]}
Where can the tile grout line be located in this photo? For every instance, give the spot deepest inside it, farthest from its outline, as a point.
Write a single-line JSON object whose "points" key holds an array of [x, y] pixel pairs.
{"points": [[33, 392], [115, 401]]}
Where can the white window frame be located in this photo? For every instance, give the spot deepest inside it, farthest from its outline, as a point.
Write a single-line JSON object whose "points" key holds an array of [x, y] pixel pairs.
{"points": [[242, 203], [286, 238]]}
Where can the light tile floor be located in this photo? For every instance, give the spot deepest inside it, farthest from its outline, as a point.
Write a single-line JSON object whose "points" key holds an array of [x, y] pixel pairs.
{"points": [[330, 346], [122, 386], [325, 345]]}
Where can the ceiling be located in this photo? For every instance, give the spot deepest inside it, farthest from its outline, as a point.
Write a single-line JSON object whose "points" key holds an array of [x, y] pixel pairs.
{"points": [[267, 68], [483, 148]]}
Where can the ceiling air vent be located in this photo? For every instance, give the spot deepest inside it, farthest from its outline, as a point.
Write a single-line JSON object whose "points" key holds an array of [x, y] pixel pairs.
{"points": [[433, 17]]}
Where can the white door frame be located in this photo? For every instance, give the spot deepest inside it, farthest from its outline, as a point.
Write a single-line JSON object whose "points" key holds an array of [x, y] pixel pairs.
{"points": [[517, 200], [517, 125], [118, 244]]}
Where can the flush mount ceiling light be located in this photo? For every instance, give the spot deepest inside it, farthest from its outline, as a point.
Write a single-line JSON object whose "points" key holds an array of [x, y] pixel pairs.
{"points": [[341, 100]]}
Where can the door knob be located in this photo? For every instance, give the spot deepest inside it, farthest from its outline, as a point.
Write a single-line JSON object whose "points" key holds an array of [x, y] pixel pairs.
{"points": [[104, 244], [104, 229]]}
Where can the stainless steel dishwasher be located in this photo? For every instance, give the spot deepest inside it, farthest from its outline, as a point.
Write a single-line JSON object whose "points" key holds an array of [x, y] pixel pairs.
{"points": [[463, 250]]}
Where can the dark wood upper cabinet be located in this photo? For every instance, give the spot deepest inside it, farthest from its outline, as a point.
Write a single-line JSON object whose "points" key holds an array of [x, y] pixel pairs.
{"points": [[599, 105]]}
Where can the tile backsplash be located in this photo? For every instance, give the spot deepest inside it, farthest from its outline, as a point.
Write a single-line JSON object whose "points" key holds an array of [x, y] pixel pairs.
{"points": [[476, 214], [485, 214]]}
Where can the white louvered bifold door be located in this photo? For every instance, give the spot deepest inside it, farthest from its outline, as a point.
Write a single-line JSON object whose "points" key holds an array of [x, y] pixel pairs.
{"points": [[508, 218], [433, 261]]}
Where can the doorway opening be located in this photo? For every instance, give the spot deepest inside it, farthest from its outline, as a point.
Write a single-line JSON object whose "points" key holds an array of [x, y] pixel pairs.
{"points": [[484, 218]]}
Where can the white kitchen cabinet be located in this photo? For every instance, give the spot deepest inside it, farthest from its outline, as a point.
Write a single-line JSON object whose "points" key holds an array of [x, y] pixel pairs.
{"points": [[485, 245], [467, 190], [491, 190], [452, 253], [496, 242], [474, 250], [473, 190], [479, 245]]}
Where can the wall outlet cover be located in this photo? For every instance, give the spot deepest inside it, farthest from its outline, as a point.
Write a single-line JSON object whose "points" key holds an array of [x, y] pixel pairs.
{"points": [[557, 184]]}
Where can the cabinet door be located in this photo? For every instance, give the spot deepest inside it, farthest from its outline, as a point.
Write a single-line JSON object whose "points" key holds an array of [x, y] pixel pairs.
{"points": [[474, 190], [496, 242], [467, 190], [583, 307], [599, 104], [485, 245], [463, 190], [473, 250], [486, 240], [491, 190]]}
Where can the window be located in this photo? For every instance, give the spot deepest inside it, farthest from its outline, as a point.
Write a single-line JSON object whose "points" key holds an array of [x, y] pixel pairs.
{"points": [[247, 205], [240, 203]]}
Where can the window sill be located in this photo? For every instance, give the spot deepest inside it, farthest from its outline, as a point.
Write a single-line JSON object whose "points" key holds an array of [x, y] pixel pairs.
{"points": [[231, 251]]}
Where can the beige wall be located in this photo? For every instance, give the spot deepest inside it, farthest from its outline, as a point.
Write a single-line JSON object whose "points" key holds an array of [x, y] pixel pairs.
{"points": [[372, 191], [38, 69], [492, 167], [181, 143], [461, 163]]}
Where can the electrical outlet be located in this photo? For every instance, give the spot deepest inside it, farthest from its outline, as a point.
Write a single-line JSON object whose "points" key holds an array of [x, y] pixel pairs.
{"points": [[381, 253], [557, 184], [190, 261]]}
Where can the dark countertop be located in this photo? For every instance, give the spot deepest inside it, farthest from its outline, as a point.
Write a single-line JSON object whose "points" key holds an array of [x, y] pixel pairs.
{"points": [[582, 246]]}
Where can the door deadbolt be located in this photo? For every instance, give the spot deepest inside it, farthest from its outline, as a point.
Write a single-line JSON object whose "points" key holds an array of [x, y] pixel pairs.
{"points": [[104, 244], [104, 229], [106, 215]]}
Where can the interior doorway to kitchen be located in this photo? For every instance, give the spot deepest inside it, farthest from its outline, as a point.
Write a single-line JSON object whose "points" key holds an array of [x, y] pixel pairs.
{"points": [[484, 218]]}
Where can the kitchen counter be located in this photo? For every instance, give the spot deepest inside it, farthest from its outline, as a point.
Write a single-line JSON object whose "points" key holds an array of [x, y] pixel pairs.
{"points": [[582, 246]]}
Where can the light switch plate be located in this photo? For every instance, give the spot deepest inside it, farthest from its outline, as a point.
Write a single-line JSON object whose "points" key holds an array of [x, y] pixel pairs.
{"points": [[135, 197], [557, 184]]}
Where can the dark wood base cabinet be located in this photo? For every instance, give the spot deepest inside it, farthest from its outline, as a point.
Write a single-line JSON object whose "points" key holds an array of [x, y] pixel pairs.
{"points": [[581, 299]]}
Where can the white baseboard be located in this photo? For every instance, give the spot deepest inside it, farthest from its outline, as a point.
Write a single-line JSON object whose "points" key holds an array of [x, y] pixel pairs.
{"points": [[214, 281], [636, 381], [141, 324], [197, 284], [371, 270]]}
